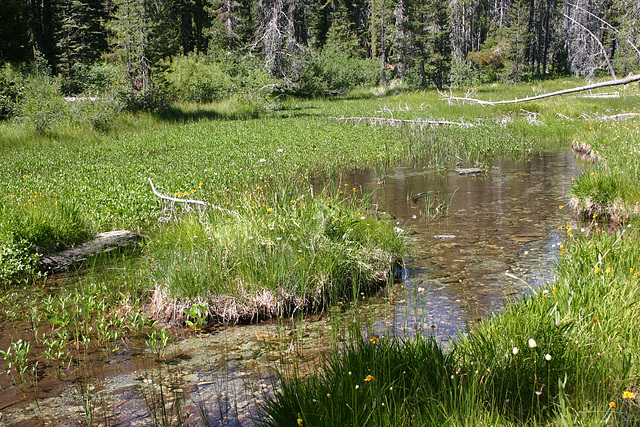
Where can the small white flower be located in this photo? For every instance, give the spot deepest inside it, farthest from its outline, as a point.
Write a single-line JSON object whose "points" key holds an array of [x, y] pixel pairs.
{"points": [[532, 343], [515, 351], [357, 386], [279, 150], [547, 357], [262, 160], [420, 289], [362, 217], [414, 217]]}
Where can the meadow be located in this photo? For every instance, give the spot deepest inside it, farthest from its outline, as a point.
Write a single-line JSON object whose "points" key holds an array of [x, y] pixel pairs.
{"points": [[567, 355]]}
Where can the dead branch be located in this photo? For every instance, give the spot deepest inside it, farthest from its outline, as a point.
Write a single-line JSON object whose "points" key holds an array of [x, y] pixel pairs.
{"points": [[382, 120], [619, 117], [618, 82], [168, 202], [604, 51]]}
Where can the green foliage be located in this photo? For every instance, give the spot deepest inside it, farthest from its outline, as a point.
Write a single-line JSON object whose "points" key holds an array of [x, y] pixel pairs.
{"points": [[463, 74], [11, 88], [17, 263], [306, 251], [98, 111], [43, 103], [194, 78], [340, 71], [42, 224]]}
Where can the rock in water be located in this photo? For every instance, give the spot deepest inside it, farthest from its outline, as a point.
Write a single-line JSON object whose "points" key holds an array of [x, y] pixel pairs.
{"points": [[468, 171], [101, 243]]}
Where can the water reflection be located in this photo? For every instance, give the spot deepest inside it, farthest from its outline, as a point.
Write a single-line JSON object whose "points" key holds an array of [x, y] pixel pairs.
{"points": [[498, 237]]}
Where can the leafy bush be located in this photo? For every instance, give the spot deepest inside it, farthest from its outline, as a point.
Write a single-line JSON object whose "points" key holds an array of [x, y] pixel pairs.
{"points": [[43, 102], [99, 111], [463, 74], [17, 263], [194, 78], [341, 71], [11, 89]]}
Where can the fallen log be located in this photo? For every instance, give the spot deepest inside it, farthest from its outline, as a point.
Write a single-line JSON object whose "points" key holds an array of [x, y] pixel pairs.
{"points": [[382, 120], [76, 257], [627, 80]]}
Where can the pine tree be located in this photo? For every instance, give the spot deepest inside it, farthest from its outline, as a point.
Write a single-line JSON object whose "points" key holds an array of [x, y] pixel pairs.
{"points": [[14, 35], [82, 38]]}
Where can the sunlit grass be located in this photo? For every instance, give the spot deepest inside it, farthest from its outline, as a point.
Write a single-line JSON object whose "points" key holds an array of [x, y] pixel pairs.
{"points": [[293, 251]]}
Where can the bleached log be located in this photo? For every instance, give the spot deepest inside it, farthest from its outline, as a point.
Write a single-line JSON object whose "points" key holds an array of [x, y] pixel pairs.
{"points": [[382, 120], [627, 80]]}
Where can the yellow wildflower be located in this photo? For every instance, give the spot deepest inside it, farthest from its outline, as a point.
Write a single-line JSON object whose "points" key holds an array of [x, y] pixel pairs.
{"points": [[269, 209], [374, 340], [369, 378], [300, 422], [596, 270], [561, 207], [608, 270], [612, 405], [628, 395], [201, 183]]}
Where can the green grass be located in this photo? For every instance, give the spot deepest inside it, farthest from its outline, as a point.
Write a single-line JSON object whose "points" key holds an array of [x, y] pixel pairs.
{"points": [[283, 252], [255, 163]]}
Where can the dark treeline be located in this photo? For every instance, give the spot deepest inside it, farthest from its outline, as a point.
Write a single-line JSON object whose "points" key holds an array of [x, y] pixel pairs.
{"points": [[319, 46]]}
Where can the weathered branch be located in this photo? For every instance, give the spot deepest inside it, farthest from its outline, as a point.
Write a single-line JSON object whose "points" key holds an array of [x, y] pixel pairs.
{"points": [[381, 120], [618, 82], [172, 200]]}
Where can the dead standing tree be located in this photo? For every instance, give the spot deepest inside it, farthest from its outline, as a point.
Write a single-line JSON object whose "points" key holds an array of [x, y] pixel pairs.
{"points": [[276, 38]]}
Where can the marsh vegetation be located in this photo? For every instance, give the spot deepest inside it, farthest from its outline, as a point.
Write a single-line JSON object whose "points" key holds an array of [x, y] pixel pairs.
{"points": [[289, 247]]}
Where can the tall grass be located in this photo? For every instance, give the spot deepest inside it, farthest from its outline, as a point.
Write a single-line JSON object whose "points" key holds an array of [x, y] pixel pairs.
{"points": [[287, 251]]}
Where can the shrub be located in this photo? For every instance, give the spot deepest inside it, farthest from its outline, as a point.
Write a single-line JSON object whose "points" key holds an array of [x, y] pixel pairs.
{"points": [[11, 90], [463, 74], [99, 111], [17, 263], [341, 71], [195, 78], [43, 102]]}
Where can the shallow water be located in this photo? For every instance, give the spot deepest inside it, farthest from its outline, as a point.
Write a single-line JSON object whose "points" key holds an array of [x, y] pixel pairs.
{"points": [[474, 241]]}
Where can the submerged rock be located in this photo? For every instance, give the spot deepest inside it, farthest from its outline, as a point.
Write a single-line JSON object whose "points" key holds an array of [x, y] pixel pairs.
{"points": [[102, 243]]}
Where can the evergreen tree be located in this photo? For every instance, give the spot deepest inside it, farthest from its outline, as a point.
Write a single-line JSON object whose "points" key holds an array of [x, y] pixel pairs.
{"points": [[82, 39], [14, 35]]}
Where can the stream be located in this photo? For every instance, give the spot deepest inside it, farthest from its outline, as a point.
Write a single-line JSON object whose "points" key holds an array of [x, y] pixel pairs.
{"points": [[474, 241]]}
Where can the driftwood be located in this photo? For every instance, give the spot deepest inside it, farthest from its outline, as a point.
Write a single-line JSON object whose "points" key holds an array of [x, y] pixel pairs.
{"points": [[75, 257], [382, 120], [169, 202], [619, 82]]}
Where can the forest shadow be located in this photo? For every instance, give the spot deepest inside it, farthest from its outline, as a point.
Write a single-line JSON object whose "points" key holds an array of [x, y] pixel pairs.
{"points": [[175, 114]]}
